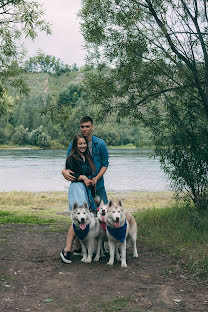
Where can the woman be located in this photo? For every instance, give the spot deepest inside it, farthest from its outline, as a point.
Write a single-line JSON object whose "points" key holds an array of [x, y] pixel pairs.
{"points": [[82, 189], [80, 162]]}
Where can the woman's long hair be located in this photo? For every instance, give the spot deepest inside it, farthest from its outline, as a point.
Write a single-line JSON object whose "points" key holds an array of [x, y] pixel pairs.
{"points": [[75, 153], [74, 150]]}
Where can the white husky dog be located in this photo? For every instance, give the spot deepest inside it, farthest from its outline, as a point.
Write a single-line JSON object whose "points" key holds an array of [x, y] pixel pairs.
{"points": [[101, 215], [86, 227], [120, 226]]}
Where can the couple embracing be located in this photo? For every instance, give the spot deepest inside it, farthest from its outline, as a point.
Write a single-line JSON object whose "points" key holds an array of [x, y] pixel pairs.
{"points": [[87, 161]]}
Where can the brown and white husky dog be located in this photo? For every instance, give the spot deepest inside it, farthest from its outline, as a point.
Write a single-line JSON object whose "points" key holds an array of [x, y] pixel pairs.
{"points": [[120, 225]]}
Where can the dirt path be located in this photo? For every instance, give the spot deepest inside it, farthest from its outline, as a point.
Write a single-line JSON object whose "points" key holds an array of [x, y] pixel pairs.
{"points": [[33, 278]]}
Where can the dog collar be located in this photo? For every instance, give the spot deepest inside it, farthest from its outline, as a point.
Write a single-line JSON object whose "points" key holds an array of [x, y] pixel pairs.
{"points": [[118, 233], [81, 234], [103, 225]]}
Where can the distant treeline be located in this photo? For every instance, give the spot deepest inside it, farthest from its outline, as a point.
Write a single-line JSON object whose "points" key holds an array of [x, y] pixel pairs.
{"points": [[48, 114]]}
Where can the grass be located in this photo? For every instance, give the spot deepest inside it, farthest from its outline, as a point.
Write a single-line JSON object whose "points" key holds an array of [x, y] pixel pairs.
{"points": [[118, 304], [13, 217], [15, 146], [127, 146], [175, 228], [180, 231], [35, 208]]}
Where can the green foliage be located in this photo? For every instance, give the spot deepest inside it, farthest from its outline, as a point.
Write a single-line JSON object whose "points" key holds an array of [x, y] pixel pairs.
{"points": [[6, 102], [57, 103], [39, 137], [69, 96], [19, 19], [46, 64], [20, 136], [179, 230], [153, 66], [6, 132]]}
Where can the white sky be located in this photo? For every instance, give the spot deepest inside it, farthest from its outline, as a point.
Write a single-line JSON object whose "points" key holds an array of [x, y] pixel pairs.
{"points": [[66, 41]]}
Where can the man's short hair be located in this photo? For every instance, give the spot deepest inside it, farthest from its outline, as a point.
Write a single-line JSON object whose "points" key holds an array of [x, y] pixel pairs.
{"points": [[86, 119]]}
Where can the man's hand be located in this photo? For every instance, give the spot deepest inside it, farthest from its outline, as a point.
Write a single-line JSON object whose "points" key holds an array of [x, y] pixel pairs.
{"points": [[68, 175], [94, 181]]}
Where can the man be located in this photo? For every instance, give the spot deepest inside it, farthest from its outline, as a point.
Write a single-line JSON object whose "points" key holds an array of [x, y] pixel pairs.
{"points": [[99, 153]]}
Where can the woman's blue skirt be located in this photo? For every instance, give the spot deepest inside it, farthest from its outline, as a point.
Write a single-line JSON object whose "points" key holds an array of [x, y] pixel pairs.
{"points": [[77, 193]]}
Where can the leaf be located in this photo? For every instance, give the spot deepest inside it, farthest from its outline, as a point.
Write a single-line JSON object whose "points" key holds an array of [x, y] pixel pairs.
{"points": [[48, 300]]}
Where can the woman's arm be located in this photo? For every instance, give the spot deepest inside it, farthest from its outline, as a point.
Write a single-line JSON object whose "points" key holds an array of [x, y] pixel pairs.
{"points": [[73, 164], [85, 179]]}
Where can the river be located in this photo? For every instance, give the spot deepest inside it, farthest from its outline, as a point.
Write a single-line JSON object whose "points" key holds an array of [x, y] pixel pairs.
{"points": [[40, 170]]}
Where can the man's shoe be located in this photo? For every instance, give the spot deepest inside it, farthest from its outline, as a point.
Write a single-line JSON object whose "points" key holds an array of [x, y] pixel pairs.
{"points": [[66, 256], [77, 252]]}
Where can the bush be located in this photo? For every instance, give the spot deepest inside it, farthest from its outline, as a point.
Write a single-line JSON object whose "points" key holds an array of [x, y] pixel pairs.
{"points": [[20, 136], [39, 137]]}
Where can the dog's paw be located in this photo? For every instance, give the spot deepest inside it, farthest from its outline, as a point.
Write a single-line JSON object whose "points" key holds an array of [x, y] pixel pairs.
{"points": [[110, 263], [135, 256], [84, 260], [88, 260], [123, 265], [96, 259]]}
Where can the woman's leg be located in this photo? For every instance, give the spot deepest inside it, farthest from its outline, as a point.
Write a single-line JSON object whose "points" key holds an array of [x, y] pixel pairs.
{"points": [[66, 254], [69, 239]]}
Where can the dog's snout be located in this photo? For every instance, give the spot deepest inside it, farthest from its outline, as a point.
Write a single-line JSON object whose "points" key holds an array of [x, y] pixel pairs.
{"points": [[117, 219], [103, 212], [82, 220]]}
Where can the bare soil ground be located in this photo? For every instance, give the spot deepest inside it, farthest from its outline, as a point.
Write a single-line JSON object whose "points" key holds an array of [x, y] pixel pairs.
{"points": [[33, 278]]}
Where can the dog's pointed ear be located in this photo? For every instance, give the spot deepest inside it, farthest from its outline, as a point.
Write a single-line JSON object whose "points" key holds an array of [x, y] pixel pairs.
{"points": [[120, 202], [85, 204], [110, 203], [102, 203], [75, 205]]}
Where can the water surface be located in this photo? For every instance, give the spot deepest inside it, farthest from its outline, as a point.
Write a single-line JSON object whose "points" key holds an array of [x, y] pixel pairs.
{"points": [[40, 170]]}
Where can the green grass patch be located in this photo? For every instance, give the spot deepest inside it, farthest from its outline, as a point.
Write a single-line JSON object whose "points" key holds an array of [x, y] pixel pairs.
{"points": [[9, 146], [179, 230], [12, 217], [118, 304], [127, 146]]}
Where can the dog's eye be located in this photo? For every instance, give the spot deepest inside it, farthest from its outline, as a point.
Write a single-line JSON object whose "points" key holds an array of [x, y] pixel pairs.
{"points": [[84, 212], [118, 211], [113, 211], [78, 213]]}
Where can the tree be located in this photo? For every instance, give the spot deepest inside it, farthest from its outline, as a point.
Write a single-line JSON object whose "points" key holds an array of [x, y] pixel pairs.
{"points": [[46, 63], [39, 137], [156, 54], [18, 19], [20, 136]]}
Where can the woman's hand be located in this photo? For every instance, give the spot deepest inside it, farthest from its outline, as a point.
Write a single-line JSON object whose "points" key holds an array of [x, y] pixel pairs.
{"points": [[87, 181]]}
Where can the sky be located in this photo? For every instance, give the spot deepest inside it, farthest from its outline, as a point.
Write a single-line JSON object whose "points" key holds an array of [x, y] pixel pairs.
{"points": [[66, 41]]}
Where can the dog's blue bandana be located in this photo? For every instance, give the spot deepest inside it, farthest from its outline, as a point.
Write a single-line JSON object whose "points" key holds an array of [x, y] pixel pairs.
{"points": [[118, 233], [81, 234]]}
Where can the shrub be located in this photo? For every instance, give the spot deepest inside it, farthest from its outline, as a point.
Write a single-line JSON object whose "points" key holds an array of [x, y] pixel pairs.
{"points": [[39, 137], [20, 135]]}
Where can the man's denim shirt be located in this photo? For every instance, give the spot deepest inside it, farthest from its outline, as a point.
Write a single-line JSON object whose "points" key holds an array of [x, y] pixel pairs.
{"points": [[99, 155]]}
